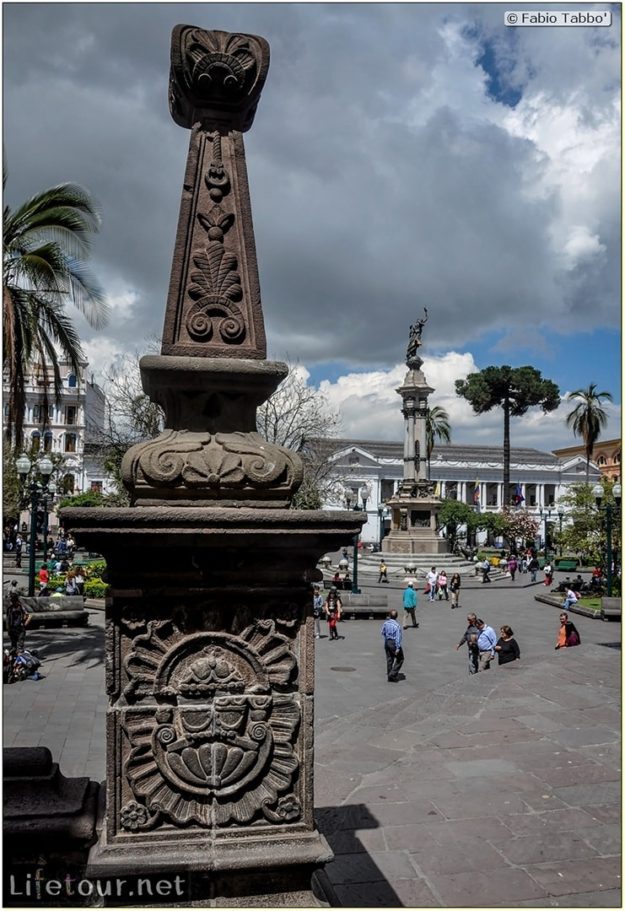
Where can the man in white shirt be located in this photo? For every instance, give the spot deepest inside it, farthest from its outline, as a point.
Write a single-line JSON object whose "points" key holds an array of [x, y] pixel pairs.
{"points": [[431, 578]]}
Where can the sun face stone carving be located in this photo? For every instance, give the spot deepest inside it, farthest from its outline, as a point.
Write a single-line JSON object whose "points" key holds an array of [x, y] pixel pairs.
{"points": [[218, 744]]}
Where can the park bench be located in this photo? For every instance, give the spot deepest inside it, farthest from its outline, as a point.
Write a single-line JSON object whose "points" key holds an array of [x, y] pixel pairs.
{"points": [[566, 565], [66, 610]]}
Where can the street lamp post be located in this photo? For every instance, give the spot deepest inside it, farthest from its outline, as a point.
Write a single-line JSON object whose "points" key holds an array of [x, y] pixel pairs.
{"points": [[351, 496], [46, 511], [560, 517], [38, 491], [546, 515], [598, 492]]}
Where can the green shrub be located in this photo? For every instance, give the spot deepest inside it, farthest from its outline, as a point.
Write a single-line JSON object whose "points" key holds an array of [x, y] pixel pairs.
{"points": [[95, 570], [95, 588]]}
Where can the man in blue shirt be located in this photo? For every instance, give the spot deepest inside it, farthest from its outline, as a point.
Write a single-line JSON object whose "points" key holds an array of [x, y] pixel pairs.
{"points": [[392, 633], [410, 604], [486, 642]]}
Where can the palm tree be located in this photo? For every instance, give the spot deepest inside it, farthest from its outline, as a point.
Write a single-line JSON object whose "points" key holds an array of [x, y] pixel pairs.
{"points": [[588, 418], [46, 242], [436, 428]]}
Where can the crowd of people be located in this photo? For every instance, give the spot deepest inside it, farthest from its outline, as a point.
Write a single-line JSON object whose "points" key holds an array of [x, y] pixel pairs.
{"points": [[483, 644]]}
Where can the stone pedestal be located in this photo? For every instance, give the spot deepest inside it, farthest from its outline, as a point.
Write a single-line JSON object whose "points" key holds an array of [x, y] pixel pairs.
{"points": [[210, 679], [209, 629], [415, 507]]}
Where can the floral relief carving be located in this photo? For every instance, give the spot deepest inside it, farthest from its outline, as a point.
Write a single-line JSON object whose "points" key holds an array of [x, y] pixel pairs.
{"points": [[216, 286], [218, 744]]}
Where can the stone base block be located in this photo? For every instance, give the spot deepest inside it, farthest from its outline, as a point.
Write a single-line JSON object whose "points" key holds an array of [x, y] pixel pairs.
{"points": [[406, 542]]}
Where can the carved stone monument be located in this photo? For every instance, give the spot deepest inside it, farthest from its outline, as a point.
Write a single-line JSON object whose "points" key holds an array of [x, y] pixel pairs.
{"points": [[209, 638], [414, 507]]}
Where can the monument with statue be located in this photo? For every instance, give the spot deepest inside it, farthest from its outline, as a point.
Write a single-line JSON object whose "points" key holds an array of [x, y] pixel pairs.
{"points": [[414, 507]]}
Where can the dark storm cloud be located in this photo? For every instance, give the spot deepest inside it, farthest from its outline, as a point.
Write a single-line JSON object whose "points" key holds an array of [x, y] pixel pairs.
{"points": [[383, 175]]}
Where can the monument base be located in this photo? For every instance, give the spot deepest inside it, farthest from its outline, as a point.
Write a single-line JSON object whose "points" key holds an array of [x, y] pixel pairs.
{"points": [[407, 542], [414, 522], [196, 872]]}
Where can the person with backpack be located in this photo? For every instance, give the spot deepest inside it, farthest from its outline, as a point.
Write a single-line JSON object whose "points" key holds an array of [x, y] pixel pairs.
{"points": [[382, 572], [17, 620]]}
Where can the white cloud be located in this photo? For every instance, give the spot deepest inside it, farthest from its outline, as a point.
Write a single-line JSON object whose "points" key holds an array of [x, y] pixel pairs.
{"points": [[370, 408], [384, 175]]}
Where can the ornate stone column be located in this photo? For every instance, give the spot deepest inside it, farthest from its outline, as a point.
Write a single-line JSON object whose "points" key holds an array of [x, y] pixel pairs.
{"points": [[209, 630], [414, 507]]}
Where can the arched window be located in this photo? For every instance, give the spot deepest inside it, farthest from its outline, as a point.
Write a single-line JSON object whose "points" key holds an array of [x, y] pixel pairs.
{"points": [[68, 483], [47, 441], [70, 442], [601, 460], [71, 380], [617, 458], [35, 440]]}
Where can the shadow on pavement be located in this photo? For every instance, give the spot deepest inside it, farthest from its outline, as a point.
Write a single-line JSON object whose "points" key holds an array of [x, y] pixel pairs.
{"points": [[355, 877], [84, 647]]}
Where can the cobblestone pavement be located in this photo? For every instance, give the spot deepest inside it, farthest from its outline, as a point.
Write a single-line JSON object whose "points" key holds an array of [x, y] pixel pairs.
{"points": [[443, 790]]}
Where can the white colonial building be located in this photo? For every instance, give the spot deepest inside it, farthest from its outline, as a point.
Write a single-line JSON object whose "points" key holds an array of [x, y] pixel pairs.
{"points": [[471, 474], [67, 427]]}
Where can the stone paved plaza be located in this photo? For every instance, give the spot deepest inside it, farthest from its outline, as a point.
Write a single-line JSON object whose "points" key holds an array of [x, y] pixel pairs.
{"points": [[443, 790]]}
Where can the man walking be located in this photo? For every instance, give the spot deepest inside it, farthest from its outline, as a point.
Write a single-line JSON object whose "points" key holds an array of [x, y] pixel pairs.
{"points": [[410, 604], [391, 633], [383, 572], [470, 637], [431, 578], [486, 642]]}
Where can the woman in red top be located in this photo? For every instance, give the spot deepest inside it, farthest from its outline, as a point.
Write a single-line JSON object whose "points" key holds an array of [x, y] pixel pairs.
{"points": [[44, 578]]}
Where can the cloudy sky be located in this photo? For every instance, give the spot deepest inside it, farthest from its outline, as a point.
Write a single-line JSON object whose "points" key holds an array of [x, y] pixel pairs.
{"points": [[402, 156]]}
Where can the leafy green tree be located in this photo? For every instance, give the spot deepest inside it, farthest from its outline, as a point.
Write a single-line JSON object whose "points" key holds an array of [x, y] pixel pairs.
{"points": [[515, 390], [452, 516], [585, 530], [436, 428], [588, 418], [46, 242]]}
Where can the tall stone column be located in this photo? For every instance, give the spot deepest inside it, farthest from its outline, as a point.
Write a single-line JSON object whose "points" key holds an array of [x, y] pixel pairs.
{"points": [[414, 507], [209, 636]]}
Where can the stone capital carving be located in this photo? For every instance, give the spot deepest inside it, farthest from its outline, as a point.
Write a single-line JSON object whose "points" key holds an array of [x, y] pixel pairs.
{"points": [[180, 466], [216, 77]]}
